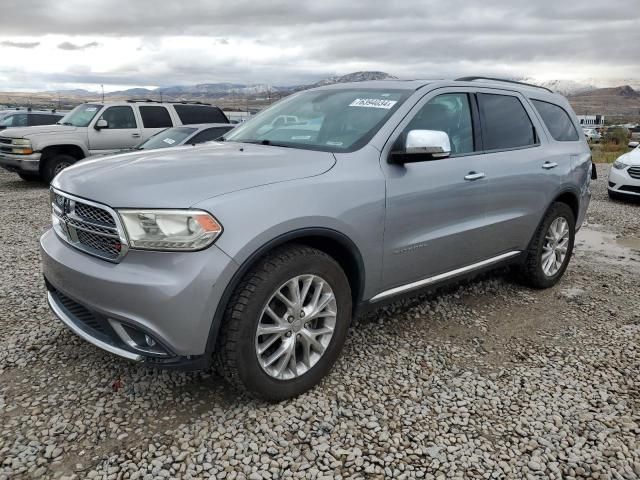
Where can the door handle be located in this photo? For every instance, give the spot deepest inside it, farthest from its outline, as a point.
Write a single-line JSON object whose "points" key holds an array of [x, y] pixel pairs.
{"points": [[471, 176], [549, 165], [135, 135]]}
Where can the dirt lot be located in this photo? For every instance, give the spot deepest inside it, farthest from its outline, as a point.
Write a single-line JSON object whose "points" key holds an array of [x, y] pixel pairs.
{"points": [[488, 380]]}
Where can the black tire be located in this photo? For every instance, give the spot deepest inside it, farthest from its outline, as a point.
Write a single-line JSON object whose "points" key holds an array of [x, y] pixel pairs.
{"points": [[52, 165], [236, 358], [531, 272], [30, 177]]}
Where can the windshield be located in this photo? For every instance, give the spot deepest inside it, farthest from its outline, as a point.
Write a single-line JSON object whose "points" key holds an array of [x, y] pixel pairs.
{"points": [[80, 116], [170, 137], [325, 120]]}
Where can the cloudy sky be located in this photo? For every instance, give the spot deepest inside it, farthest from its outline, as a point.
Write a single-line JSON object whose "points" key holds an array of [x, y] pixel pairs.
{"points": [[53, 44]]}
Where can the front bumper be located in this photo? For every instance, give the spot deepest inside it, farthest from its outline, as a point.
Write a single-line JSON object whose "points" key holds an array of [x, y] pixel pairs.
{"points": [[171, 296], [621, 182], [20, 163]]}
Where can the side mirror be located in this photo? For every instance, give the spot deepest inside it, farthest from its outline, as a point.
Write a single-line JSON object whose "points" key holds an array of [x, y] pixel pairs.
{"points": [[100, 124], [633, 144], [423, 145]]}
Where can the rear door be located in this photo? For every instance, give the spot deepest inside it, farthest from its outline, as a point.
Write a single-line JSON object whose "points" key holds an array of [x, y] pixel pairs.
{"points": [[155, 118], [516, 150], [436, 209], [122, 131]]}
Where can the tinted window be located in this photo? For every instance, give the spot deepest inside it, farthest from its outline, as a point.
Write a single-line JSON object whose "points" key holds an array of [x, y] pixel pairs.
{"points": [[557, 121], [155, 117], [505, 123], [119, 118], [209, 134], [191, 114], [43, 119], [450, 113]]}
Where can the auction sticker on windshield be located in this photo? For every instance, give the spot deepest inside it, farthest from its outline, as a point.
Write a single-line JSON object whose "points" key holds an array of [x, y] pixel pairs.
{"points": [[373, 103], [170, 141]]}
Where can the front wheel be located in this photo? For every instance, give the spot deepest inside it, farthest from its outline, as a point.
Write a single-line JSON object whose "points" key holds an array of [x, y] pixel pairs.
{"points": [[285, 324], [55, 164], [551, 248]]}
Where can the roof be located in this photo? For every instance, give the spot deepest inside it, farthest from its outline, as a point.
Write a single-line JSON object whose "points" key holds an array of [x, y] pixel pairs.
{"points": [[465, 81]]}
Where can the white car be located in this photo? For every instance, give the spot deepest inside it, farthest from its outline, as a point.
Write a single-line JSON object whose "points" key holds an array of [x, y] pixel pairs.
{"points": [[624, 177], [592, 135], [94, 128]]}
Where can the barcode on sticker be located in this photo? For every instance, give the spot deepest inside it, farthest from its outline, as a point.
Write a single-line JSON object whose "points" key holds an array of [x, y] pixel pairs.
{"points": [[373, 103]]}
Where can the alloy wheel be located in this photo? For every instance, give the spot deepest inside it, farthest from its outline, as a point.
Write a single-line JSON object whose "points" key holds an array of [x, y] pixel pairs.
{"points": [[296, 327], [556, 243]]}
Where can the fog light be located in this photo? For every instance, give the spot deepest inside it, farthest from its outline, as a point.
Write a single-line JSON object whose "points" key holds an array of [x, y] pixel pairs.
{"points": [[138, 340]]}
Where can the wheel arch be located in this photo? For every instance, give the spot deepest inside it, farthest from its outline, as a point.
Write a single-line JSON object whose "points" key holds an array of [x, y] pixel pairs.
{"points": [[76, 151], [334, 243]]}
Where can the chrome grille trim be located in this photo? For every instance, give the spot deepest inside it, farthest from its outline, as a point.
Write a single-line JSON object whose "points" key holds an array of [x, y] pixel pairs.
{"points": [[634, 172], [88, 226]]}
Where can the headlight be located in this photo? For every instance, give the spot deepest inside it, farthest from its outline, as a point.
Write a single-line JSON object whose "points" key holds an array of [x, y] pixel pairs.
{"points": [[170, 229], [619, 164], [21, 146]]}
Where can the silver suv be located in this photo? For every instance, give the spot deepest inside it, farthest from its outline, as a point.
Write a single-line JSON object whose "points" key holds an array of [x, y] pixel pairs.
{"points": [[255, 253]]}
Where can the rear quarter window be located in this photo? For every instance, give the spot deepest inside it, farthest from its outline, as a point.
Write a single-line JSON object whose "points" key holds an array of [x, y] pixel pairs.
{"points": [[557, 121], [192, 114]]}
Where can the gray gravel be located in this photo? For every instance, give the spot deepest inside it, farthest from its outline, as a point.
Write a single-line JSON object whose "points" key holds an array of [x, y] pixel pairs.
{"points": [[487, 380]]}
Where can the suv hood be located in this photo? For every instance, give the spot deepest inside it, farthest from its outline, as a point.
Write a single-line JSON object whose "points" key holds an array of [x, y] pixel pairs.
{"points": [[22, 132], [183, 176]]}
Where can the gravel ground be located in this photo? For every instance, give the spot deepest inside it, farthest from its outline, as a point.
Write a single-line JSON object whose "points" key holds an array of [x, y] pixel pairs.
{"points": [[487, 380]]}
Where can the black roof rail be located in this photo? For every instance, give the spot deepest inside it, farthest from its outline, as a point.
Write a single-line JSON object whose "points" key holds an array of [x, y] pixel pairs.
{"points": [[191, 102], [471, 79], [143, 100]]}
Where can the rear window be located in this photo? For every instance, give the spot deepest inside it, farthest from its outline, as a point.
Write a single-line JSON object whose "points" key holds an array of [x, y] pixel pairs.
{"points": [[209, 134], [155, 117], [505, 123], [192, 114], [557, 121]]}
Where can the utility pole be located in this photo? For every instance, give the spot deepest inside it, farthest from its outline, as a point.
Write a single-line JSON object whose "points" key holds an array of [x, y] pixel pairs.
{"points": [[102, 92]]}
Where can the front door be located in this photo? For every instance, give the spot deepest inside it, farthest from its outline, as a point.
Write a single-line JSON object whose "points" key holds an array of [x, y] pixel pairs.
{"points": [[122, 130], [436, 209]]}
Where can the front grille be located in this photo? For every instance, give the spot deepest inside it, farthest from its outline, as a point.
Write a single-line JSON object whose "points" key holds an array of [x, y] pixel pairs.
{"points": [[81, 313], [88, 226], [634, 172], [94, 214], [5, 145]]}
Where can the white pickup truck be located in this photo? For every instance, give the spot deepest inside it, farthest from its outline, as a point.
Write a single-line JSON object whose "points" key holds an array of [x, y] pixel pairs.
{"points": [[40, 153]]}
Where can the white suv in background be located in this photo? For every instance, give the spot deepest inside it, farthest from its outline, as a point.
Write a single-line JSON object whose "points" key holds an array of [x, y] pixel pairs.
{"points": [[93, 128], [624, 176]]}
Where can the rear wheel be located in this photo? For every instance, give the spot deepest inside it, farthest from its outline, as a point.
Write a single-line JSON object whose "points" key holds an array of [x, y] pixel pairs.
{"points": [[285, 324], [551, 248], [55, 164]]}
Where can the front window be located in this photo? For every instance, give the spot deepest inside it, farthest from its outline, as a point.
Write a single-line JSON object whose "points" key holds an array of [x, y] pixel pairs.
{"points": [[17, 120], [81, 116], [324, 120], [167, 138]]}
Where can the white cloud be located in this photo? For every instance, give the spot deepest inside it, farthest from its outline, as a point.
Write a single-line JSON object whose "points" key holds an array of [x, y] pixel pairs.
{"points": [[285, 42]]}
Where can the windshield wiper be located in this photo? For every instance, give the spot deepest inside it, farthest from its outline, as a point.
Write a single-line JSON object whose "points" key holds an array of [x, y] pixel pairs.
{"points": [[265, 142], [64, 123]]}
